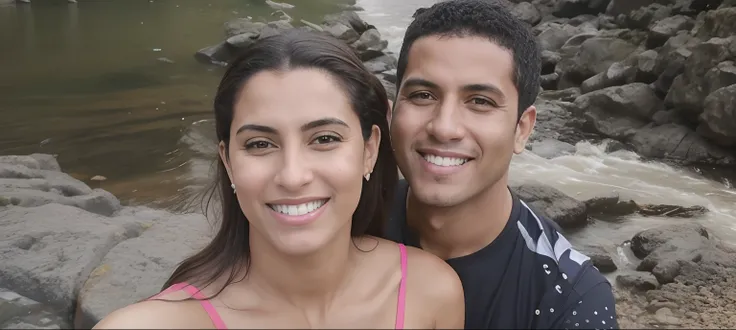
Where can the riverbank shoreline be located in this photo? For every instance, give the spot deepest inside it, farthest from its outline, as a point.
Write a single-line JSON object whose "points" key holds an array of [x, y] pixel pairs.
{"points": [[73, 254]]}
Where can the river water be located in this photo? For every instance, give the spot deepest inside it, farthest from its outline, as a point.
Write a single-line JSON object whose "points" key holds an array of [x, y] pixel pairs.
{"points": [[112, 88]]}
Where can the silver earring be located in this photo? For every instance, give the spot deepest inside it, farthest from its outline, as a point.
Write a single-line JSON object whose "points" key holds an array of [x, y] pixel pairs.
{"points": [[368, 177], [232, 185]]}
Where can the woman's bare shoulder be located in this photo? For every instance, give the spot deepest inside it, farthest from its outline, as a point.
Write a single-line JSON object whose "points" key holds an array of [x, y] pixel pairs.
{"points": [[169, 311], [428, 271]]}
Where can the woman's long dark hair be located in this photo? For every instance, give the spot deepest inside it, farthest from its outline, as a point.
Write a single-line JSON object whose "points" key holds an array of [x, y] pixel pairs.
{"points": [[229, 251]]}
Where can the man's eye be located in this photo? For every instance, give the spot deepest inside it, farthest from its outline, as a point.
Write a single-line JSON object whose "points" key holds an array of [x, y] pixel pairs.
{"points": [[422, 95]]}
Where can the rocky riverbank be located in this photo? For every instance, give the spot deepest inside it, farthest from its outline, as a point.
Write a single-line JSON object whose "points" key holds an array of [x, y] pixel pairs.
{"points": [[347, 26], [658, 76], [67, 261]]}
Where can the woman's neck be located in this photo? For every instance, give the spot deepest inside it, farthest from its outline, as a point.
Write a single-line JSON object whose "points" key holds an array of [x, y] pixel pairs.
{"points": [[308, 282]]}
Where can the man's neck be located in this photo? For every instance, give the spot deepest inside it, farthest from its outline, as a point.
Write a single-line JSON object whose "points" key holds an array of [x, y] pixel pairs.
{"points": [[308, 282], [460, 230]]}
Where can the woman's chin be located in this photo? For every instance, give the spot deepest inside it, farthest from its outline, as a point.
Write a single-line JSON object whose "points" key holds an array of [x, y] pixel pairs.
{"points": [[302, 243]]}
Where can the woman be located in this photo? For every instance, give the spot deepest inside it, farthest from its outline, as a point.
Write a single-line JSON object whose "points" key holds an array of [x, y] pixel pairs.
{"points": [[306, 174]]}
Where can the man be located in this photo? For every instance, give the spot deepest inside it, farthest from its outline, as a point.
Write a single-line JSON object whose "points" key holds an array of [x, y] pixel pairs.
{"points": [[468, 76]]}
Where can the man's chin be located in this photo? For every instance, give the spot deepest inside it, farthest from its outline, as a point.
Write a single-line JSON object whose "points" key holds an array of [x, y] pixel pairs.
{"points": [[437, 194]]}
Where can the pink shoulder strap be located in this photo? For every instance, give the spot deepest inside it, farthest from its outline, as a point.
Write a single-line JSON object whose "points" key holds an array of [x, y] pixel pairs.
{"points": [[402, 290], [206, 304]]}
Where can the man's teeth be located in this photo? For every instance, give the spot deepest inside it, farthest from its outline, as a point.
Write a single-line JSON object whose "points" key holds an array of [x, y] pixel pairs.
{"points": [[445, 161], [300, 209]]}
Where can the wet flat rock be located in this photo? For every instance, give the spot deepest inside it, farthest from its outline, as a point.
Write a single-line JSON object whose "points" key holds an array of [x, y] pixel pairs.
{"points": [[137, 268], [48, 251]]}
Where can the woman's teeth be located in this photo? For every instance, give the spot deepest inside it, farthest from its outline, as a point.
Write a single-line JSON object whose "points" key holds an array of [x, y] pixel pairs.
{"points": [[300, 209]]}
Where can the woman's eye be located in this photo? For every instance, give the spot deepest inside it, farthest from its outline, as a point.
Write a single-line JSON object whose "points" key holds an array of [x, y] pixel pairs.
{"points": [[258, 145], [324, 139]]}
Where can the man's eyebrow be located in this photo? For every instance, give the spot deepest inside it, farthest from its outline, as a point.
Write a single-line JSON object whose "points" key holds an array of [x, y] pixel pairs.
{"points": [[419, 82], [484, 88], [310, 125]]}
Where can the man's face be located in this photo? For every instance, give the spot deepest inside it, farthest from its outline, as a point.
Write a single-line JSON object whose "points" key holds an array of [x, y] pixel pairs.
{"points": [[454, 128]]}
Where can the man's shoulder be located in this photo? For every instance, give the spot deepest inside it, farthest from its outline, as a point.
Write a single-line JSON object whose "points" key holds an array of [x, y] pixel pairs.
{"points": [[544, 237]]}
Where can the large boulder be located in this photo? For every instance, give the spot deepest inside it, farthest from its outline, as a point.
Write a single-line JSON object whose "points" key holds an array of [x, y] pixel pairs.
{"points": [[718, 121], [594, 55], [636, 100], [680, 144], [689, 89], [47, 252], [137, 268]]}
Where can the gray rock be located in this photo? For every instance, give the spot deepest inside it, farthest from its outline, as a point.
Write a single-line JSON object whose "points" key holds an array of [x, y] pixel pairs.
{"points": [[688, 90], [618, 127], [218, 54], [595, 55], [641, 281], [646, 64], [342, 32], [635, 100], [566, 95], [573, 8], [554, 204], [641, 18], [610, 205], [617, 74], [667, 249], [381, 64], [662, 30], [347, 18], [549, 81], [554, 121], [527, 12], [275, 28], [600, 257], [552, 36], [137, 268], [718, 121], [370, 45], [242, 40], [678, 143], [241, 26], [717, 23], [47, 252], [549, 61]]}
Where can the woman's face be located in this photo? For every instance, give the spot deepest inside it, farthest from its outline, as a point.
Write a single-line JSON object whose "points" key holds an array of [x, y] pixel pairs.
{"points": [[297, 158]]}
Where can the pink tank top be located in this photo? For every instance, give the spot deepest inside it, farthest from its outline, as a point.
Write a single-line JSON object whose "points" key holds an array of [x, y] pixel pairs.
{"points": [[219, 324]]}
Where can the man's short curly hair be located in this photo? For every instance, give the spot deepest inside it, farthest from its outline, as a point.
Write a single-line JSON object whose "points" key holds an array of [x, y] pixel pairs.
{"points": [[480, 18]]}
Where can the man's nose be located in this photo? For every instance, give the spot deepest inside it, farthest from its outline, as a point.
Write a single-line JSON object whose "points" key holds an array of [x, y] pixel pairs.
{"points": [[446, 125]]}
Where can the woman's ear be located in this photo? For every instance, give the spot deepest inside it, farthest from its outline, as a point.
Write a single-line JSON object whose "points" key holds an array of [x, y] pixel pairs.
{"points": [[223, 152], [370, 154]]}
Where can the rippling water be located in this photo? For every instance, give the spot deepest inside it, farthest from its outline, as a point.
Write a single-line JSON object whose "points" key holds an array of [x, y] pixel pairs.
{"points": [[94, 83]]}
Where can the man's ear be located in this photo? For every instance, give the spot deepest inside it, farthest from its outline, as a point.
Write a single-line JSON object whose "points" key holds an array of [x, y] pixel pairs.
{"points": [[524, 129], [390, 112]]}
